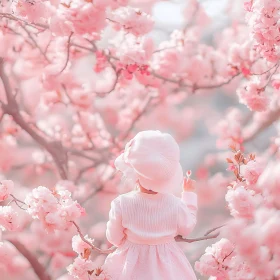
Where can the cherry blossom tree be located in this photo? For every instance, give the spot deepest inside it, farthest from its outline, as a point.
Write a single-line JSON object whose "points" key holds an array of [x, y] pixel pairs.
{"points": [[79, 78]]}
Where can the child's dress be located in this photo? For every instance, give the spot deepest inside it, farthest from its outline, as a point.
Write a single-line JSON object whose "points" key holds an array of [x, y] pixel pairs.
{"points": [[143, 226]]}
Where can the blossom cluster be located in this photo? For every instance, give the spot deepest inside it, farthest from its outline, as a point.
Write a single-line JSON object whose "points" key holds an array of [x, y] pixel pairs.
{"points": [[56, 209], [251, 201], [83, 267], [263, 19]]}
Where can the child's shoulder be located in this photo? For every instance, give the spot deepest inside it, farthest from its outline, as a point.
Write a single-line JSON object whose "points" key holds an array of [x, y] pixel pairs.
{"points": [[124, 196], [130, 196], [127, 195], [133, 194]]}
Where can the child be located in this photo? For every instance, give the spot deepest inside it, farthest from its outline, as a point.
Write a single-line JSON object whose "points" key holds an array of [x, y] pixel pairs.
{"points": [[143, 223]]}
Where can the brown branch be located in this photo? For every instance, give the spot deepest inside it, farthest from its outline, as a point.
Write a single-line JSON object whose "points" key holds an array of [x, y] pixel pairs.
{"points": [[194, 87], [80, 154], [2, 116], [83, 170], [94, 248], [35, 264], [206, 236], [54, 148], [270, 76], [213, 229], [35, 43], [274, 116], [82, 47], [259, 74], [12, 17], [68, 53], [193, 17], [179, 238], [104, 93]]}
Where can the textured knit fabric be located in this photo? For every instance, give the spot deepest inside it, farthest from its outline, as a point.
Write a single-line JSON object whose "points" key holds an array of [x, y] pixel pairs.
{"points": [[143, 227]]}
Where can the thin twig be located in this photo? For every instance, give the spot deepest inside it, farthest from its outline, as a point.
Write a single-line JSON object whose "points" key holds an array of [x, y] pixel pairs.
{"points": [[179, 238], [83, 170], [144, 110], [270, 76], [94, 248], [35, 43], [12, 17], [105, 93], [213, 229], [68, 53], [206, 236]]}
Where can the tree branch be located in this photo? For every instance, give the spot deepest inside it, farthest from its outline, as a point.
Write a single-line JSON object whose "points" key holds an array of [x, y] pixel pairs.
{"points": [[178, 238], [274, 116], [94, 248], [206, 236], [54, 148], [35, 43], [194, 86], [12, 17], [36, 266], [68, 53]]}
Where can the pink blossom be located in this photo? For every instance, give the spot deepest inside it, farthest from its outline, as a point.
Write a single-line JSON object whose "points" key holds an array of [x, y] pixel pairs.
{"points": [[6, 188], [248, 5], [276, 84], [240, 270], [9, 218], [263, 19], [240, 202], [80, 268], [271, 233], [55, 209], [12, 263], [86, 18], [60, 261], [221, 250], [101, 61], [252, 171], [254, 97], [40, 201], [248, 244], [229, 129], [33, 10], [207, 265], [269, 182], [216, 259], [64, 185], [133, 21], [59, 26], [81, 98], [79, 245]]}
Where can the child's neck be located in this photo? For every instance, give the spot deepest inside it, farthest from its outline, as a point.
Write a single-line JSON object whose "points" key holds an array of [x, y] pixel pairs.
{"points": [[146, 191]]}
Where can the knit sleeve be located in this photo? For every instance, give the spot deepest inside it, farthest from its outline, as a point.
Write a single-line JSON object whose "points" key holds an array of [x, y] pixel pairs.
{"points": [[115, 230], [187, 213]]}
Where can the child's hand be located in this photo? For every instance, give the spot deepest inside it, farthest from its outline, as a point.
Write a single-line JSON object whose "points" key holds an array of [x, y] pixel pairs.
{"points": [[189, 185]]}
